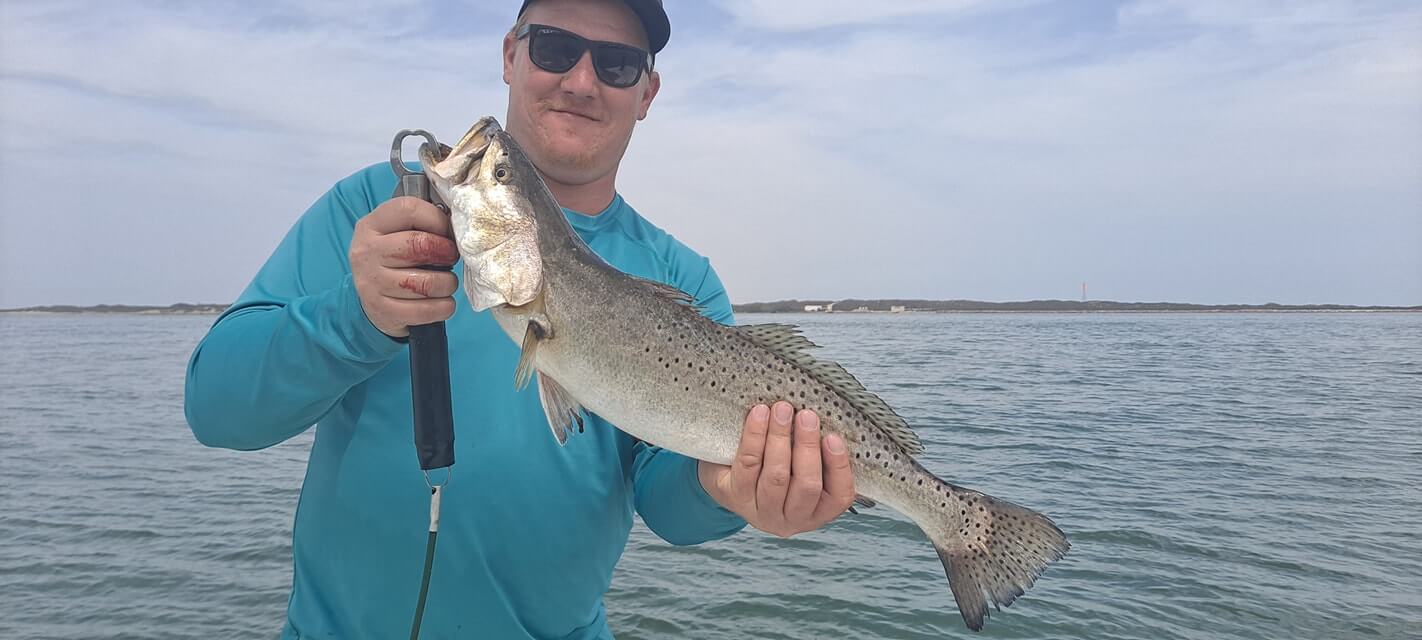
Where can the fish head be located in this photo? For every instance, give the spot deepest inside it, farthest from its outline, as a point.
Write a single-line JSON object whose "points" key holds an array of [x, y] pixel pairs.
{"points": [[485, 181]]}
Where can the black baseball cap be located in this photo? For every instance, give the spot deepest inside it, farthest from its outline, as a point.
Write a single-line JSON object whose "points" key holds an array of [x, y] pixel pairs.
{"points": [[653, 17]]}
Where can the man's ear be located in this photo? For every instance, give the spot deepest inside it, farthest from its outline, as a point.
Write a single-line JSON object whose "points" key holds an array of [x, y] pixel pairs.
{"points": [[654, 84], [510, 50]]}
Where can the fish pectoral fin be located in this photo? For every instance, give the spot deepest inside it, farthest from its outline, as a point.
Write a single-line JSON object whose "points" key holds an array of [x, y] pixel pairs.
{"points": [[560, 408], [538, 330]]}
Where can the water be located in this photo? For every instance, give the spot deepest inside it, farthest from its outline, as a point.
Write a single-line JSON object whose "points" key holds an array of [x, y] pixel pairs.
{"points": [[1240, 476]]}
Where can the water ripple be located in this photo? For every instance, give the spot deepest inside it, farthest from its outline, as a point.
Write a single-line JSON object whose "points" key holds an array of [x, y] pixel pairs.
{"points": [[1241, 476]]}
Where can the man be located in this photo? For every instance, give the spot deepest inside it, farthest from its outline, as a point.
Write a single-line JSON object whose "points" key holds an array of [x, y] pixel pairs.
{"points": [[530, 531]]}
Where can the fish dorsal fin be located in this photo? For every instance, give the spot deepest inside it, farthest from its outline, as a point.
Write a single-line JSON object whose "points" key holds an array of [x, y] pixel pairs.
{"points": [[667, 291], [786, 340]]}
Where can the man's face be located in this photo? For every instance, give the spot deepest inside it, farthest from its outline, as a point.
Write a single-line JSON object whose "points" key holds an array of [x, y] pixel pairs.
{"points": [[573, 126]]}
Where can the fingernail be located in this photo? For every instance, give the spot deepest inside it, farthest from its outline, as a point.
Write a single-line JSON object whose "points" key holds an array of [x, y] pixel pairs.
{"points": [[782, 412], [760, 412], [836, 444], [809, 421]]}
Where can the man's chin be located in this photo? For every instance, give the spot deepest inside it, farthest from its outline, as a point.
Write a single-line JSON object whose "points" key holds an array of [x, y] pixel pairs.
{"points": [[569, 168]]}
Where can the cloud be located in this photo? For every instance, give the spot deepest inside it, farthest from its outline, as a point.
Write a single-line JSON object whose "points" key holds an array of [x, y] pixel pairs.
{"points": [[1197, 151], [799, 15], [997, 168]]}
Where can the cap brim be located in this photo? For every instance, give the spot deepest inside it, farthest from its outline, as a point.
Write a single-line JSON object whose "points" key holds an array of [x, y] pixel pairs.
{"points": [[654, 21]]}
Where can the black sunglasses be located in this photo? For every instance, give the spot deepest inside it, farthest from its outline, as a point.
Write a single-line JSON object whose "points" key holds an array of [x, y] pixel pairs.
{"points": [[556, 50]]}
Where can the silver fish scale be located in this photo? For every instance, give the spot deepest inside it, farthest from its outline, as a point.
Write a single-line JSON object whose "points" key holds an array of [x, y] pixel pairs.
{"points": [[663, 373], [637, 355]]}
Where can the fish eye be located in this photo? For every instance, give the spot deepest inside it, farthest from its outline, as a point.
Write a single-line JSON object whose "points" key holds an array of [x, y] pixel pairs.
{"points": [[502, 174]]}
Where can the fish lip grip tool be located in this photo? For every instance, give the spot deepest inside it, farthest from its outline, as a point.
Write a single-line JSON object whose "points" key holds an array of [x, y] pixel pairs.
{"points": [[429, 346], [429, 373]]}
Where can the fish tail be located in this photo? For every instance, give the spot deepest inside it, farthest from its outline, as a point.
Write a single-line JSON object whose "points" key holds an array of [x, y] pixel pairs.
{"points": [[992, 550]]}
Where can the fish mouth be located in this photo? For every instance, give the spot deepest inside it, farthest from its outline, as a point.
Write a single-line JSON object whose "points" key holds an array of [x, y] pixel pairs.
{"points": [[454, 164]]}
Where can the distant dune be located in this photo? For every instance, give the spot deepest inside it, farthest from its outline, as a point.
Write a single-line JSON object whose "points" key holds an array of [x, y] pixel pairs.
{"points": [[963, 306], [172, 309], [850, 305]]}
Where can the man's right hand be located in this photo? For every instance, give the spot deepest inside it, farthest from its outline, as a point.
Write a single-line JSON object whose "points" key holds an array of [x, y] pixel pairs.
{"points": [[387, 249]]}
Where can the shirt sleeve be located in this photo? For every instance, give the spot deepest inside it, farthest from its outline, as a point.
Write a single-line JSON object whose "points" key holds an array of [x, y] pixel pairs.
{"points": [[296, 339], [667, 488]]}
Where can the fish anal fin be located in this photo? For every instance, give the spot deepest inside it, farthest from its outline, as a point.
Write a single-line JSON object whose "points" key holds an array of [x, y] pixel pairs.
{"points": [[559, 407], [863, 502]]}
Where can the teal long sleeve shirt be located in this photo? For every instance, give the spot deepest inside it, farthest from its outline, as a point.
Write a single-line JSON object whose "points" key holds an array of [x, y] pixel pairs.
{"points": [[530, 531]]}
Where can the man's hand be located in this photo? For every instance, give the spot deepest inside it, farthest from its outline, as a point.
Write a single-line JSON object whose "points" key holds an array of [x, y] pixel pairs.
{"points": [[387, 249], [783, 481]]}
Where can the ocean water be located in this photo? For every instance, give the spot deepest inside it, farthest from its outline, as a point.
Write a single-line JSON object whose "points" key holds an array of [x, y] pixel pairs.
{"points": [[1219, 476]]}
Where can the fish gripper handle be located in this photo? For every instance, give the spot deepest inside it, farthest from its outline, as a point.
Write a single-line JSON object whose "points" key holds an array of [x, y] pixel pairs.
{"points": [[429, 345], [429, 388]]}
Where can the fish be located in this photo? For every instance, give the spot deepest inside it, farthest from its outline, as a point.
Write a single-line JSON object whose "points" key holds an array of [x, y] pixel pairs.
{"points": [[639, 354]]}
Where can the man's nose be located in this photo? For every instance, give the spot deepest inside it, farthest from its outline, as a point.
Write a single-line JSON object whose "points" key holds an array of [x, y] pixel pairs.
{"points": [[582, 78]]}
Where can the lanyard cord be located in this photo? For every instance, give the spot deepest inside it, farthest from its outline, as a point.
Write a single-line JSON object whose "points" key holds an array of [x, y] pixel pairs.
{"points": [[429, 561]]}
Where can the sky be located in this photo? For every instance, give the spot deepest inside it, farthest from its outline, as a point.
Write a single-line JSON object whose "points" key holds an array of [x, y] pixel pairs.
{"points": [[1206, 151]]}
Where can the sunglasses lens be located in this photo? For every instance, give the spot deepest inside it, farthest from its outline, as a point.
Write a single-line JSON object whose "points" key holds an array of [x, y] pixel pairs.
{"points": [[618, 66], [555, 51]]}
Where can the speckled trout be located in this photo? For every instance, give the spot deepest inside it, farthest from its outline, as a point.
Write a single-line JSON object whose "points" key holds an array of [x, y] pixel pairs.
{"points": [[640, 355]]}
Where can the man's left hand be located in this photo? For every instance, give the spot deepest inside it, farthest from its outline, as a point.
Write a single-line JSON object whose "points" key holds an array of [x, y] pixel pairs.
{"points": [[784, 479]]}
